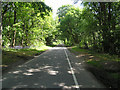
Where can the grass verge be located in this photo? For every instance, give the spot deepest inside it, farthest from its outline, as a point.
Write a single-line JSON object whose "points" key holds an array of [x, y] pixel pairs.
{"points": [[104, 66], [14, 57]]}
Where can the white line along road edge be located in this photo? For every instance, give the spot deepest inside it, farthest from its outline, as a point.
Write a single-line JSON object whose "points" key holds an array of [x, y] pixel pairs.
{"points": [[73, 74]]}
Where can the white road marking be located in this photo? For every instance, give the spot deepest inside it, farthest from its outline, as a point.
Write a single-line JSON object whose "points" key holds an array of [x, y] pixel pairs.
{"points": [[73, 74]]}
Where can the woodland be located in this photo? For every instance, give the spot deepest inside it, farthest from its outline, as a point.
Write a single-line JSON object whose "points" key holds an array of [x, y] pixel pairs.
{"points": [[93, 30], [96, 26]]}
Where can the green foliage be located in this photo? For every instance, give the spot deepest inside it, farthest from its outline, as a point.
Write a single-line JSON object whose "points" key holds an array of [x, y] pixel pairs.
{"points": [[10, 56], [27, 24], [96, 26], [80, 50], [115, 75], [69, 22]]}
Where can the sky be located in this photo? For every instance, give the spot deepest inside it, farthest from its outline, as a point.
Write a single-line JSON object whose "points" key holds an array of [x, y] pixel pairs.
{"points": [[55, 4]]}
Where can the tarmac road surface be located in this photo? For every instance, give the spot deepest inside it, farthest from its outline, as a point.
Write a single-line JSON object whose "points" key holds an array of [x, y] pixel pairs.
{"points": [[55, 68]]}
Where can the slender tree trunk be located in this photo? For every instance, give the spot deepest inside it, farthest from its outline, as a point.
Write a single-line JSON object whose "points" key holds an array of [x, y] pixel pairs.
{"points": [[0, 26], [23, 37], [94, 41], [14, 33], [5, 10], [109, 15], [26, 38]]}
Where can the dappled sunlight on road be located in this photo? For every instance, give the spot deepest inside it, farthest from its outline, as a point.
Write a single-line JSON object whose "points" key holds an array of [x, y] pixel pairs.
{"points": [[49, 70], [27, 73], [19, 86], [16, 72], [65, 86], [33, 70], [30, 73], [42, 71], [78, 63]]}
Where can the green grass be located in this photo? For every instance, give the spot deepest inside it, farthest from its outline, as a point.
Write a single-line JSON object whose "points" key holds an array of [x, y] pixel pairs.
{"points": [[10, 56], [79, 50], [98, 59], [103, 62], [115, 75], [95, 63], [102, 56]]}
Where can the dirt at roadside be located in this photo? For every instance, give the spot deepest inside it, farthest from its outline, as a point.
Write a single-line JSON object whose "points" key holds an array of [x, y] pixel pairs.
{"points": [[104, 73]]}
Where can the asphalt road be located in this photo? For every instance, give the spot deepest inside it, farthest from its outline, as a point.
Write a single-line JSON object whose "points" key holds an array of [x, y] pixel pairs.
{"points": [[55, 68]]}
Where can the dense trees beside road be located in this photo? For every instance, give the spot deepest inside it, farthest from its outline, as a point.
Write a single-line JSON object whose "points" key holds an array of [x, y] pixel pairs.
{"points": [[93, 31], [96, 26], [27, 23]]}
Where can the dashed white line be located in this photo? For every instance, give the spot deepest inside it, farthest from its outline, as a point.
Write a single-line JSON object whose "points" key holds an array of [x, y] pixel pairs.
{"points": [[73, 74]]}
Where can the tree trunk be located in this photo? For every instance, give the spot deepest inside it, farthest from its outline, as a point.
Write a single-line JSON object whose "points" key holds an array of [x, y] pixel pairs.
{"points": [[109, 15], [0, 26], [105, 33], [94, 41], [14, 33]]}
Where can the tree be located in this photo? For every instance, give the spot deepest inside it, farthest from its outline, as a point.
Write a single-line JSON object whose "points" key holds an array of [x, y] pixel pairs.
{"points": [[69, 23], [19, 19], [96, 26]]}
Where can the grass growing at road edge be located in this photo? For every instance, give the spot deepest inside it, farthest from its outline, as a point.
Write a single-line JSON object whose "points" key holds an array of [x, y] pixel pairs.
{"points": [[10, 56], [102, 56], [104, 66]]}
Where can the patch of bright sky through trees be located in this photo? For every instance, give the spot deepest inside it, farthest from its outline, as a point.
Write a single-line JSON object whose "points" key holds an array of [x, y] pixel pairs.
{"points": [[55, 4]]}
